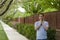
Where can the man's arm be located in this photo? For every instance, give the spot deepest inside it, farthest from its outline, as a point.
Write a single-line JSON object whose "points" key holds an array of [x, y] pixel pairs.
{"points": [[37, 26], [46, 26]]}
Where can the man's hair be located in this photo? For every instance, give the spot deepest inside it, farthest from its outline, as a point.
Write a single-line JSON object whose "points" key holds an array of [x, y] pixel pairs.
{"points": [[41, 14]]}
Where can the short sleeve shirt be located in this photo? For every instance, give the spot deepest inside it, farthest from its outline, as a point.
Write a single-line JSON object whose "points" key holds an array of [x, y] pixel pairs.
{"points": [[41, 32]]}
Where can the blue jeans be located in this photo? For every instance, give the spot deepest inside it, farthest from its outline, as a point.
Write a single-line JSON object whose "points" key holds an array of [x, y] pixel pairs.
{"points": [[41, 39]]}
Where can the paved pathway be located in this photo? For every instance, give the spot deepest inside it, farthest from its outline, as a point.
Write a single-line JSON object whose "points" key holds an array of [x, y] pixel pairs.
{"points": [[12, 34]]}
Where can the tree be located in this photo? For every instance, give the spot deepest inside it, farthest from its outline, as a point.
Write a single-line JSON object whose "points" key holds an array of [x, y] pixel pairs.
{"points": [[32, 6], [35, 6], [4, 5]]}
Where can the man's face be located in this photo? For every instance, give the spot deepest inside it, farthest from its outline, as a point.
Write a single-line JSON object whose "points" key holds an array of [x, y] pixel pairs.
{"points": [[41, 17]]}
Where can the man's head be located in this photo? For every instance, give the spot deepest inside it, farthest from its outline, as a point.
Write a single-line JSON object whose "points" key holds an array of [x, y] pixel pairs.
{"points": [[41, 16]]}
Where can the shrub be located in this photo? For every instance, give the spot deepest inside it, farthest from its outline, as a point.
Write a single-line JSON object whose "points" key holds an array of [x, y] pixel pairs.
{"points": [[51, 33], [27, 30]]}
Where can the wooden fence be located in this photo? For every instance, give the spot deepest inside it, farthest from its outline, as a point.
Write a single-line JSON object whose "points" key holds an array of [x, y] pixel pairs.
{"points": [[52, 17]]}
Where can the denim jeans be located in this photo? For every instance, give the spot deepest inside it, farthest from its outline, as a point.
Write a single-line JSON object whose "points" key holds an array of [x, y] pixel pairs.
{"points": [[41, 39]]}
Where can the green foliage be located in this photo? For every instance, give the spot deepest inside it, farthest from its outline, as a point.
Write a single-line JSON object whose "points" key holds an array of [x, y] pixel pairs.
{"points": [[35, 6], [51, 33], [31, 7], [27, 30], [49, 10], [19, 14]]}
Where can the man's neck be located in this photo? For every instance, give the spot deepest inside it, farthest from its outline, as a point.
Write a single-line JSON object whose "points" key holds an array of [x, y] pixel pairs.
{"points": [[41, 20]]}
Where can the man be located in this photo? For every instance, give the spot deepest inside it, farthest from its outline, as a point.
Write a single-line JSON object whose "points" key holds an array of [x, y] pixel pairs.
{"points": [[41, 27]]}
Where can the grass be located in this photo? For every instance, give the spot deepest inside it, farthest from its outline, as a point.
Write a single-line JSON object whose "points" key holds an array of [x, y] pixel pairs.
{"points": [[2, 34]]}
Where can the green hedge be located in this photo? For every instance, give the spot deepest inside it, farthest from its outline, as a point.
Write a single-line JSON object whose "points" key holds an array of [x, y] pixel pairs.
{"points": [[28, 31], [51, 33]]}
